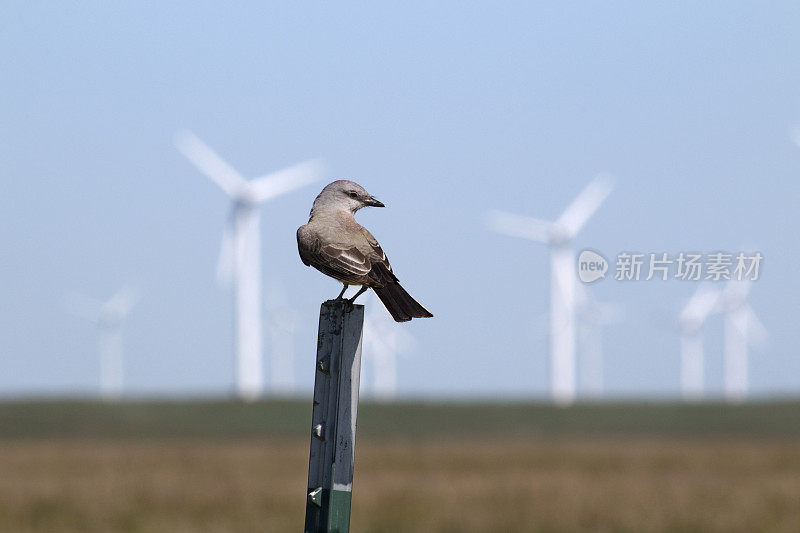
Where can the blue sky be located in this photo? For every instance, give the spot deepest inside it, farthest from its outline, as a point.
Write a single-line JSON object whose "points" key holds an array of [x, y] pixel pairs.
{"points": [[443, 111]]}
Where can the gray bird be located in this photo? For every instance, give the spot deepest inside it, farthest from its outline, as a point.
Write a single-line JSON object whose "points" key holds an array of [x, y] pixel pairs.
{"points": [[338, 246]]}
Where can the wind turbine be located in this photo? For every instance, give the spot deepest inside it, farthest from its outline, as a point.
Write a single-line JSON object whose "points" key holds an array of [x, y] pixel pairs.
{"points": [[383, 342], [702, 303], [741, 329], [558, 237], [109, 317], [593, 316], [282, 322], [240, 256]]}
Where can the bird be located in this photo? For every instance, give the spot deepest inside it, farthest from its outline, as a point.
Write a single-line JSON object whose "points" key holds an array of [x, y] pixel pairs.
{"points": [[338, 246]]}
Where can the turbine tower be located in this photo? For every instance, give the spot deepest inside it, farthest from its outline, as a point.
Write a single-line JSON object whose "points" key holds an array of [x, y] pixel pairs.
{"points": [[558, 237], [383, 342], [593, 316], [702, 303], [741, 329], [240, 256], [282, 322], [109, 317]]}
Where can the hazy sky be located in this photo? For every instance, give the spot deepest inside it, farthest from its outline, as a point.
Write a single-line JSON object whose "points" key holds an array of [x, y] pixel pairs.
{"points": [[441, 110]]}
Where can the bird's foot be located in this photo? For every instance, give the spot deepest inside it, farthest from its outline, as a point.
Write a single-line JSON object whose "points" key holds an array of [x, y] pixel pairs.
{"points": [[356, 295], [341, 294]]}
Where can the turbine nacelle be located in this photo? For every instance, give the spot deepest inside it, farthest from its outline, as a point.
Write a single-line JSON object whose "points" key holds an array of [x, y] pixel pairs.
{"points": [[110, 319], [559, 235], [108, 314], [245, 196]]}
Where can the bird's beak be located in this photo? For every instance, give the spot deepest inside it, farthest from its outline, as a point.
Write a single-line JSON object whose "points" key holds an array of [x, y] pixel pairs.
{"points": [[372, 202]]}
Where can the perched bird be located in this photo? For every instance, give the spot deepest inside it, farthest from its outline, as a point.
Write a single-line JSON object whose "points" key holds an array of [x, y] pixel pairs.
{"points": [[338, 246]]}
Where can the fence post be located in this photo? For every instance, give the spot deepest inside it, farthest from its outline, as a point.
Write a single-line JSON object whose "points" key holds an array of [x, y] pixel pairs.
{"points": [[333, 422]]}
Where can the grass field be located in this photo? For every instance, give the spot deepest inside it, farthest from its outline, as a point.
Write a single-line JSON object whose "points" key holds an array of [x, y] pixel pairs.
{"points": [[219, 467]]}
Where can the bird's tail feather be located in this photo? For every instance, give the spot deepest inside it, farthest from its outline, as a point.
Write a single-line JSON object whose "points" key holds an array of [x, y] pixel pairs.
{"points": [[400, 304]]}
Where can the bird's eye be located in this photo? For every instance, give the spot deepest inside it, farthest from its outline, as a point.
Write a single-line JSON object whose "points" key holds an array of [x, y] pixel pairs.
{"points": [[352, 194]]}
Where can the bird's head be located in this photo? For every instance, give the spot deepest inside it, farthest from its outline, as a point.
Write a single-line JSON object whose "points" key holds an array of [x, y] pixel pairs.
{"points": [[344, 194]]}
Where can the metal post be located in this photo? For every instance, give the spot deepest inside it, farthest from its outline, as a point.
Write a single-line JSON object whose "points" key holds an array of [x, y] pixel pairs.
{"points": [[333, 422]]}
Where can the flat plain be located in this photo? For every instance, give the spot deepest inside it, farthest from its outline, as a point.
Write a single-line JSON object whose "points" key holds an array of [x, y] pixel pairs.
{"points": [[231, 467]]}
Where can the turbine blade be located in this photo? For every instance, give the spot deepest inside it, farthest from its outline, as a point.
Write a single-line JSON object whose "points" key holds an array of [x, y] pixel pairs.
{"points": [[123, 300], [209, 163], [286, 180], [583, 207], [700, 305], [520, 226]]}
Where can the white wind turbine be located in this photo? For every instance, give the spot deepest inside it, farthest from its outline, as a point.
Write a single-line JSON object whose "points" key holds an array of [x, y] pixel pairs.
{"points": [[109, 317], [593, 317], [702, 303], [241, 247], [282, 323], [383, 342], [558, 236], [741, 329]]}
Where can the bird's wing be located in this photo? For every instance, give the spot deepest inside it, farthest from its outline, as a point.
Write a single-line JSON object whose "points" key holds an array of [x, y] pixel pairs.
{"points": [[363, 264], [381, 270], [342, 261], [345, 259], [304, 245], [375, 251]]}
